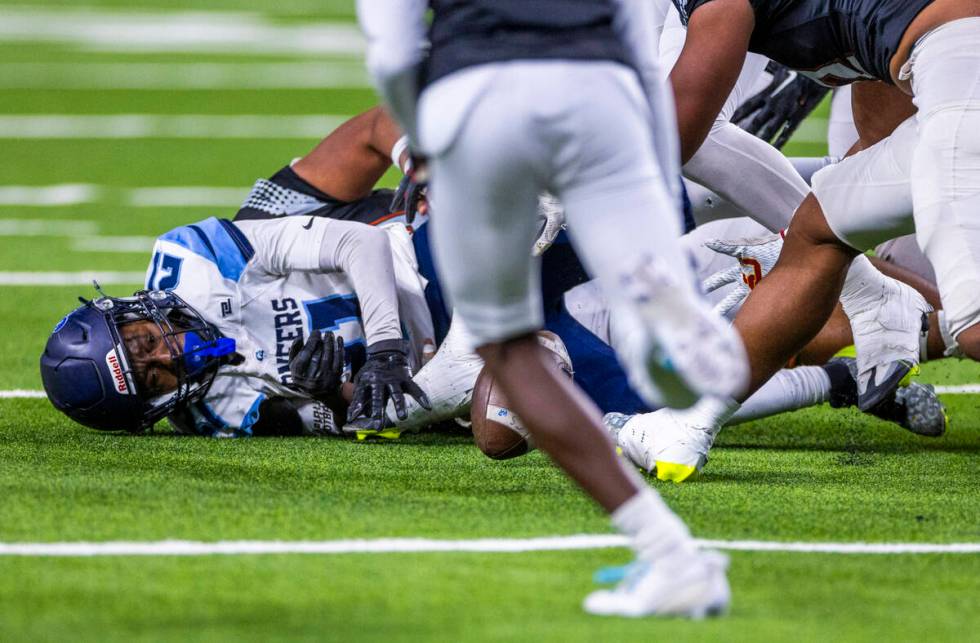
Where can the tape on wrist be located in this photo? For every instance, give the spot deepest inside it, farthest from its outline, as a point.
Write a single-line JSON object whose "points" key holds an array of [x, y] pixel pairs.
{"points": [[396, 154]]}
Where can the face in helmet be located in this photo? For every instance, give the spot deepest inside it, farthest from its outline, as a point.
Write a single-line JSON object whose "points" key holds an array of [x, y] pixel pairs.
{"points": [[122, 363]]}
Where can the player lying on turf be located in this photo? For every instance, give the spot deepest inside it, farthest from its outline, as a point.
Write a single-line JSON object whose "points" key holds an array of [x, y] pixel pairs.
{"points": [[347, 162], [282, 270], [250, 327]]}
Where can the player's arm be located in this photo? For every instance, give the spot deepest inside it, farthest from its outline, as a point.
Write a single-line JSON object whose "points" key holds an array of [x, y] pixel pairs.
{"points": [[396, 34], [639, 25], [363, 254], [319, 244], [718, 34], [351, 159]]}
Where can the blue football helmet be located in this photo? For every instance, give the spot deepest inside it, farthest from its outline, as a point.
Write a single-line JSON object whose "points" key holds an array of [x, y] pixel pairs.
{"points": [[86, 366]]}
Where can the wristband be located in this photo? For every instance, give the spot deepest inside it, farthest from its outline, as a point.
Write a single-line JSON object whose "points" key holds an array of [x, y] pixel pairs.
{"points": [[396, 154], [388, 345]]}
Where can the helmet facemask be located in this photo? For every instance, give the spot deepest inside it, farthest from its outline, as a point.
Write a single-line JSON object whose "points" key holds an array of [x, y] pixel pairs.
{"points": [[196, 348]]}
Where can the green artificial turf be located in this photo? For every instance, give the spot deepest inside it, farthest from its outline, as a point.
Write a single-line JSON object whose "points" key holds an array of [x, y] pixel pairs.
{"points": [[471, 597], [816, 475]]}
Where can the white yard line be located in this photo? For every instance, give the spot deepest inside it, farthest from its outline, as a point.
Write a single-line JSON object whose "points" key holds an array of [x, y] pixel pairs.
{"points": [[123, 245], [104, 29], [70, 278], [215, 126], [425, 545], [140, 126], [47, 228], [186, 196], [174, 75], [963, 389], [71, 194], [48, 195], [21, 394], [84, 235]]}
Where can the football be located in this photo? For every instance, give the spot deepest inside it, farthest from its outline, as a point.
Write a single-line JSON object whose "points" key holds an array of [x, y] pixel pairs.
{"points": [[497, 431]]}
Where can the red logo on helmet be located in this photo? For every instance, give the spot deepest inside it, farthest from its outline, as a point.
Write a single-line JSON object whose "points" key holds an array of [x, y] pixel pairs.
{"points": [[112, 360]]}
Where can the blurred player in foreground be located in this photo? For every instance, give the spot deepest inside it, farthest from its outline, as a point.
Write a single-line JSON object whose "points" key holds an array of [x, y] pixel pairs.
{"points": [[501, 115]]}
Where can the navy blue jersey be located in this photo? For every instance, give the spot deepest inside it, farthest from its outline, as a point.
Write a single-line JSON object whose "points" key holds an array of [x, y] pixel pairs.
{"points": [[464, 33], [834, 42]]}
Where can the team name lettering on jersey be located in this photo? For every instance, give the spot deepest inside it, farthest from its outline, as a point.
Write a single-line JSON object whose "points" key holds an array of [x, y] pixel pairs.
{"points": [[289, 327]]}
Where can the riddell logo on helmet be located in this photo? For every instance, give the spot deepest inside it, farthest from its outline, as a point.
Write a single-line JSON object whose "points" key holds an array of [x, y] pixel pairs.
{"points": [[117, 372]]}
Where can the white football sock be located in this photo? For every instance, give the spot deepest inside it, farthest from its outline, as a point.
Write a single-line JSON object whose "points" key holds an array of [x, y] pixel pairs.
{"points": [[653, 529], [863, 283], [709, 414], [788, 390]]}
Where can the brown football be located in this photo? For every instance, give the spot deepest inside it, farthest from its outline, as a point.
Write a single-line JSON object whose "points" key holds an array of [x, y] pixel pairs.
{"points": [[496, 430]]}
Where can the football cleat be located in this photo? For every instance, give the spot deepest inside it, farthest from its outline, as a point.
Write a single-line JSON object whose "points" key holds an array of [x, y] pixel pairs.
{"points": [[887, 325], [361, 428], [690, 350], [913, 406], [664, 443], [917, 408], [689, 586]]}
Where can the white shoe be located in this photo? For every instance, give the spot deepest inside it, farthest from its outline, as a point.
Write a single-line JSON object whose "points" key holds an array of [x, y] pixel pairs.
{"points": [[694, 352], [665, 442], [693, 586], [887, 323]]}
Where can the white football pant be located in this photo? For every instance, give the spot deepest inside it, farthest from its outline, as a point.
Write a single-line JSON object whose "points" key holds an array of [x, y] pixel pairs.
{"points": [[497, 136], [926, 176]]}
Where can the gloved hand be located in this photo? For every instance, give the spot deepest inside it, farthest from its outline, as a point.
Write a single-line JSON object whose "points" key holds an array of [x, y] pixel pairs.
{"points": [[550, 210], [410, 195], [781, 107], [384, 376], [317, 367], [755, 256]]}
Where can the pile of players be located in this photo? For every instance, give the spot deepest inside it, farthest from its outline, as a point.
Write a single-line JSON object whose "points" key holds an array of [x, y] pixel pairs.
{"points": [[328, 307]]}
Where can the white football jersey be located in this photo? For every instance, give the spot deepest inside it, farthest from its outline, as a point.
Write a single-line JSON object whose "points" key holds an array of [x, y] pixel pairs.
{"points": [[259, 282]]}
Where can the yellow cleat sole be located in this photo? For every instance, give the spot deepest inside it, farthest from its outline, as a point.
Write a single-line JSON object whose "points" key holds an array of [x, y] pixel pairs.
{"points": [[387, 434], [913, 372], [677, 473]]}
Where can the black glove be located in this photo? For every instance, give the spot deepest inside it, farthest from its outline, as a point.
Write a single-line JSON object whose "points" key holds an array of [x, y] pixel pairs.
{"points": [[385, 376], [781, 107], [317, 366], [410, 195]]}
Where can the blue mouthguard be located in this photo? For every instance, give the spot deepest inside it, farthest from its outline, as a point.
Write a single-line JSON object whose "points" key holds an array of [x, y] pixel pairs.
{"points": [[198, 352]]}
